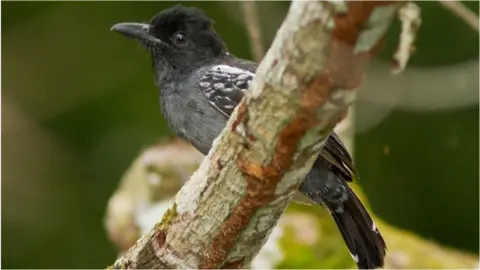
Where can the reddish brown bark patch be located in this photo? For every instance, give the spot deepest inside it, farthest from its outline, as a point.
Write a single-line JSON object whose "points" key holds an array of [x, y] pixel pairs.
{"points": [[346, 67], [160, 237], [241, 112], [349, 25], [242, 121]]}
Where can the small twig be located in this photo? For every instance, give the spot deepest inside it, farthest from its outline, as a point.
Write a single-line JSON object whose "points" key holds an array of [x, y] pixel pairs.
{"points": [[250, 15], [461, 11], [409, 15]]}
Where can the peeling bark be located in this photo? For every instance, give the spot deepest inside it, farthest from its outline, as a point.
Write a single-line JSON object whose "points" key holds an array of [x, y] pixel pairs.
{"points": [[302, 89]]}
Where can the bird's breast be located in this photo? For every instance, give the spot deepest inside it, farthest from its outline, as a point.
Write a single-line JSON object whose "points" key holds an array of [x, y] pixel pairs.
{"points": [[192, 119]]}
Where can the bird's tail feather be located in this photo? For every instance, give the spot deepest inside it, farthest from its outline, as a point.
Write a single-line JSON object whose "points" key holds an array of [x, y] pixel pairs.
{"points": [[360, 233]]}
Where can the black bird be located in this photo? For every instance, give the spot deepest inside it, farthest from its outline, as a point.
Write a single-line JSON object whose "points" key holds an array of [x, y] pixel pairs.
{"points": [[200, 84]]}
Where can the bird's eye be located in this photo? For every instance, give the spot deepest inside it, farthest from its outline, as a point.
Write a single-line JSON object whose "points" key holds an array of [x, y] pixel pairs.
{"points": [[180, 39]]}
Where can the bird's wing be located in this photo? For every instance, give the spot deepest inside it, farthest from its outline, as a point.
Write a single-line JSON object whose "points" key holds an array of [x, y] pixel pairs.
{"points": [[224, 87]]}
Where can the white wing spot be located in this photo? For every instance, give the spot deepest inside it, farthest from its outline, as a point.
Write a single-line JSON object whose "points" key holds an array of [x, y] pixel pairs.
{"points": [[374, 227], [354, 257], [218, 86], [233, 70], [243, 77], [204, 84]]}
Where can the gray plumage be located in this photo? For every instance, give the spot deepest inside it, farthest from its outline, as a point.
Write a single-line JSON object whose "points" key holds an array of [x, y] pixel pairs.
{"points": [[201, 83]]}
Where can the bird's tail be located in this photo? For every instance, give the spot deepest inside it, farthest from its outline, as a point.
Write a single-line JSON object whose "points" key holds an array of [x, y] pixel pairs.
{"points": [[360, 233]]}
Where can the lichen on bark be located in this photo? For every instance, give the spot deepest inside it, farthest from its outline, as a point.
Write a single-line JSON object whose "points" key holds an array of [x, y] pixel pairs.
{"points": [[167, 218]]}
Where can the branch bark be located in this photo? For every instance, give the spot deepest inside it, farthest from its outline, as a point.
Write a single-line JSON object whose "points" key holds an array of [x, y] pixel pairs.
{"points": [[303, 87]]}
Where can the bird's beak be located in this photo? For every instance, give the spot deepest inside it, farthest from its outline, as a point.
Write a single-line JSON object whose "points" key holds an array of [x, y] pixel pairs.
{"points": [[138, 31]]}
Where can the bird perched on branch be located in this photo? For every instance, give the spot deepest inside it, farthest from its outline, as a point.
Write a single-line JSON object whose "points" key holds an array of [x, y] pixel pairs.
{"points": [[201, 83]]}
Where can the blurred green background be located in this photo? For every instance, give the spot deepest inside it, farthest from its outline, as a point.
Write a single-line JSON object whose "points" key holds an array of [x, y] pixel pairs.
{"points": [[79, 103]]}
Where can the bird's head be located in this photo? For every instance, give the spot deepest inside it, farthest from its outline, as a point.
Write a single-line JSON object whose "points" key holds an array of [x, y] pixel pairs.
{"points": [[178, 37]]}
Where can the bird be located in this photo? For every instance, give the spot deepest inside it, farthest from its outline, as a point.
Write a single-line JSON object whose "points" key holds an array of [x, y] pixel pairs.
{"points": [[200, 85]]}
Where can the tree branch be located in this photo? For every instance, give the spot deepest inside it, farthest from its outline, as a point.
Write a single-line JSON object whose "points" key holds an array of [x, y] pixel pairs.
{"points": [[222, 216], [250, 16], [409, 16], [459, 9]]}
